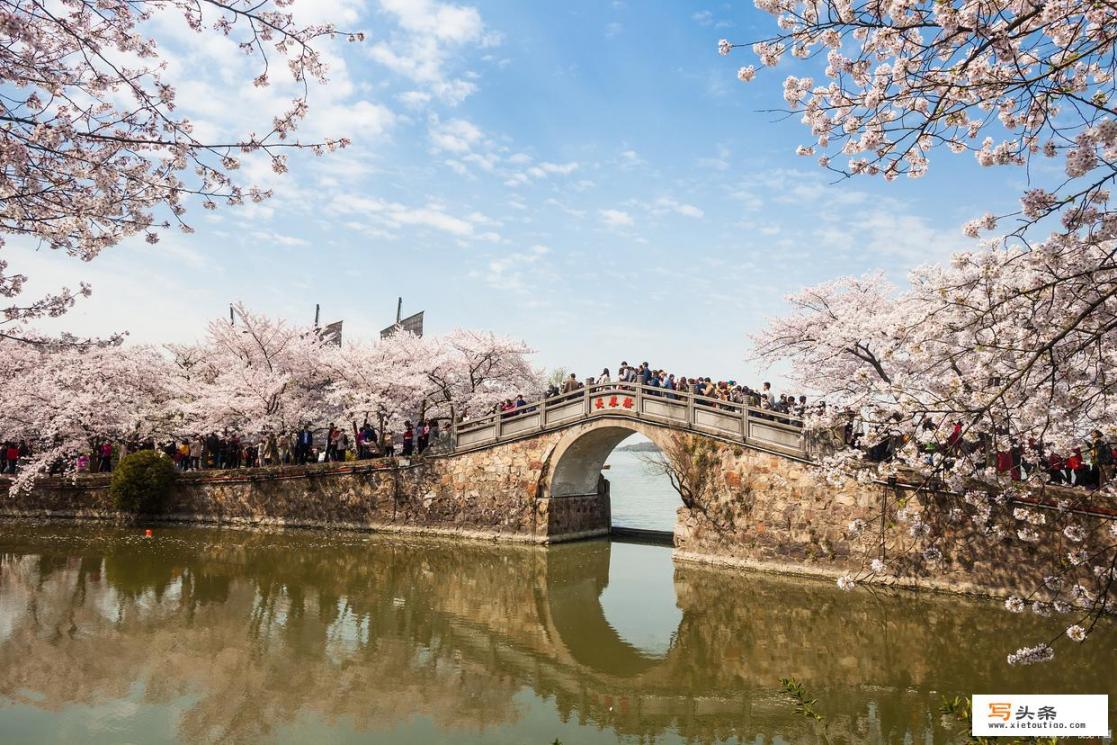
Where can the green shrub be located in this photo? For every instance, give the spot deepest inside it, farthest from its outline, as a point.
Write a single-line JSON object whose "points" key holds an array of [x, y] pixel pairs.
{"points": [[142, 483]]}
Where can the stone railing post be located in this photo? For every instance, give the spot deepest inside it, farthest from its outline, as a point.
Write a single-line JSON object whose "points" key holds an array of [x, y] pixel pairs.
{"points": [[499, 422], [542, 414], [690, 408], [744, 422], [639, 400], [586, 411]]}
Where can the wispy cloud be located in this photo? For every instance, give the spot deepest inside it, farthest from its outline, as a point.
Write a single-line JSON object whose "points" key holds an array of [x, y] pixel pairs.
{"points": [[617, 218]]}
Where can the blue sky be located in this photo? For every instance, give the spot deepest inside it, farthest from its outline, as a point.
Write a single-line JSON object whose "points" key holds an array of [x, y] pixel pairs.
{"points": [[588, 176]]}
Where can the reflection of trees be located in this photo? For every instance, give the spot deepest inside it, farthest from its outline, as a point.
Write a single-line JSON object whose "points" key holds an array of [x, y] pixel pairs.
{"points": [[247, 632]]}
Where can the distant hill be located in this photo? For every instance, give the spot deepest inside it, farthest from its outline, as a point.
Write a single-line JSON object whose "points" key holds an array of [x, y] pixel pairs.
{"points": [[640, 447]]}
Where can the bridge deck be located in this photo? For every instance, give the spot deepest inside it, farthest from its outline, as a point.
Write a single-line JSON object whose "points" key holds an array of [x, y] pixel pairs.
{"points": [[666, 408]]}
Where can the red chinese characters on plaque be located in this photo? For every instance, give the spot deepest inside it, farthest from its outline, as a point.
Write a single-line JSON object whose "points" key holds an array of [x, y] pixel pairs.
{"points": [[613, 402]]}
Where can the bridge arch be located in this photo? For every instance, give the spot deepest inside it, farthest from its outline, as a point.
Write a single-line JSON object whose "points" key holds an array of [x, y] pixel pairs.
{"points": [[574, 467]]}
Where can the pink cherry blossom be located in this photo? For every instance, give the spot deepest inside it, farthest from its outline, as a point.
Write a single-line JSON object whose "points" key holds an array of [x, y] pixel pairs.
{"points": [[93, 148]]}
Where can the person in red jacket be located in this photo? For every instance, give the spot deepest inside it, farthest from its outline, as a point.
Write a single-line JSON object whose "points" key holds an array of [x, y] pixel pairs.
{"points": [[1073, 467], [11, 457]]}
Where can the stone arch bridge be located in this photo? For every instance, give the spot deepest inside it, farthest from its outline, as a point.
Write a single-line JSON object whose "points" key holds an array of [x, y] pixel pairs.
{"points": [[539, 468]]}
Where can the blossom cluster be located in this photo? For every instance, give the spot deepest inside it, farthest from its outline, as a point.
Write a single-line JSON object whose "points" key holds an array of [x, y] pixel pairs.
{"points": [[93, 148], [253, 376]]}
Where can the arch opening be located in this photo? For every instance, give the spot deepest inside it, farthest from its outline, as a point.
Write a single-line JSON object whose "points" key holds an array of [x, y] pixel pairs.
{"points": [[640, 493], [578, 470], [628, 489]]}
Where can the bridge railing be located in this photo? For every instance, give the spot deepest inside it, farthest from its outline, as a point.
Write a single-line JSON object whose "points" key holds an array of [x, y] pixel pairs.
{"points": [[687, 411]]}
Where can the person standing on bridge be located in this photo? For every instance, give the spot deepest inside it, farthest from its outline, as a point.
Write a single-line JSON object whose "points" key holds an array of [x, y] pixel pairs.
{"points": [[604, 377], [767, 397], [570, 384]]}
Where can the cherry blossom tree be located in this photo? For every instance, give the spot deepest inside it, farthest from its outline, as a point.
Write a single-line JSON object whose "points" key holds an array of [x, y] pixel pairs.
{"points": [[476, 370], [252, 375], [62, 400], [384, 382], [93, 149], [1013, 342]]}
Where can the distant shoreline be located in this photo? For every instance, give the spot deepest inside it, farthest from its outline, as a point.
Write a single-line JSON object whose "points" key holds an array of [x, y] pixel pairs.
{"points": [[640, 447]]}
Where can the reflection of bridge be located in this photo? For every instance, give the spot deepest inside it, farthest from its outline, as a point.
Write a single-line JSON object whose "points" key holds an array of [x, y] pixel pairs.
{"points": [[660, 407], [261, 631]]}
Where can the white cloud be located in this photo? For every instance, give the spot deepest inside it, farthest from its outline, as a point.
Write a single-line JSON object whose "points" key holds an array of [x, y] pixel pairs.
{"points": [[707, 19], [428, 36], [359, 121], [630, 158], [455, 135], [539, 171], [576, 213], [456, 23], [562, 168], [667, 204], [394, 215], [616, 218], [414, 99], [505, 272], [265, 237], [342, 13]]}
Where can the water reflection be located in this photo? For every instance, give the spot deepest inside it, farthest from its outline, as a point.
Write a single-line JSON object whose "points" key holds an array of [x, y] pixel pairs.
{"points": [[639, 601], [206, 636]]}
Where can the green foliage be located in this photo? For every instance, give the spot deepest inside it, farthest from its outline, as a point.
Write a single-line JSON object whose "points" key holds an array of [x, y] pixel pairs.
{"points": [[957, 707], [142, 482], [804, 704]]}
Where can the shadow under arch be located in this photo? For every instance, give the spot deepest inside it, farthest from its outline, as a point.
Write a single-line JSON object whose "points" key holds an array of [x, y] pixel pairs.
{"points": [[577, 575], [579, 458]]}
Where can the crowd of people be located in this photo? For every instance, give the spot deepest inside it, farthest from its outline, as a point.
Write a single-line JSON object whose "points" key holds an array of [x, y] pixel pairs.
{"points": [[232, 450], [1091, 465], [722, 390], [331, 444]]}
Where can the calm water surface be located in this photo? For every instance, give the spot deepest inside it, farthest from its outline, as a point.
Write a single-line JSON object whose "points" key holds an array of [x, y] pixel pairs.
{"points": [[205, 636], [641, 495]]}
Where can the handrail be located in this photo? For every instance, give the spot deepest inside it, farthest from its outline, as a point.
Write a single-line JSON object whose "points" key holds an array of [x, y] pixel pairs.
{"points": [[636, 395], [652, 391]]}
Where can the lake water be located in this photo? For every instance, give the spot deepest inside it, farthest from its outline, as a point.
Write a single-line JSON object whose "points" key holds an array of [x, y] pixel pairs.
{"points": [[208, 636], [641, 496]]}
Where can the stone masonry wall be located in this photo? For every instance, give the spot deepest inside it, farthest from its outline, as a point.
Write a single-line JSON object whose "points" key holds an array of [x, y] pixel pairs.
{"points": [[758, 510], [491, 493]]}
